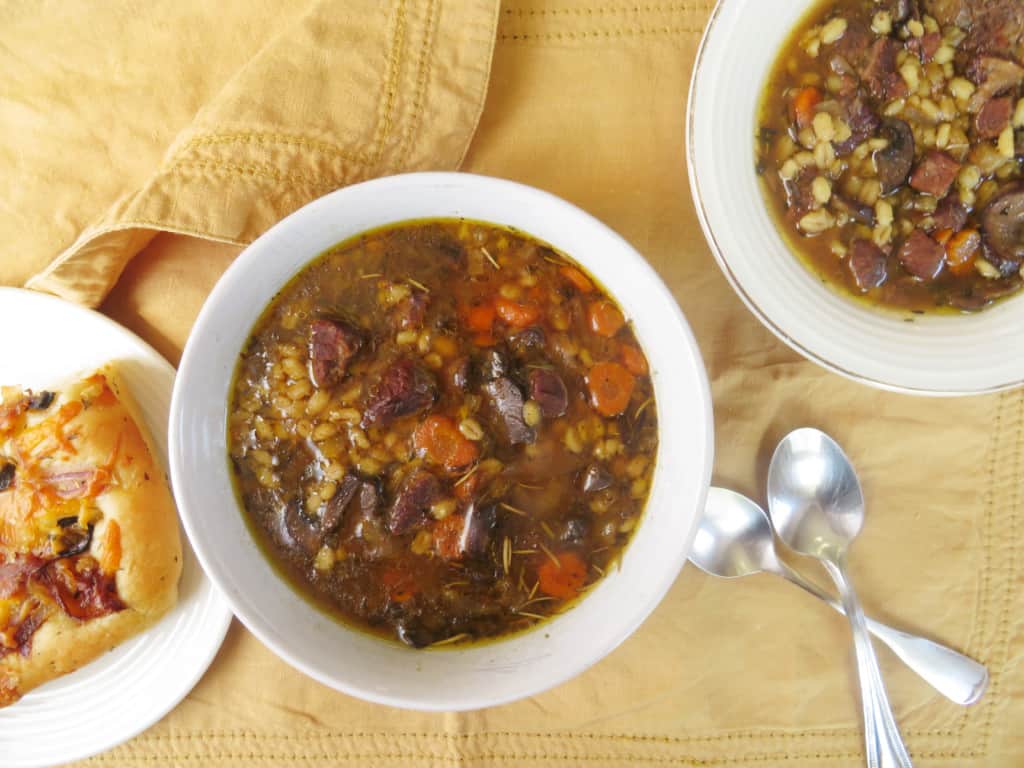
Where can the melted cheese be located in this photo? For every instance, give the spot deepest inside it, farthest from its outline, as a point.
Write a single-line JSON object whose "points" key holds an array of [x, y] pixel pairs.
{"points": [[29, 511], [7, 609]]}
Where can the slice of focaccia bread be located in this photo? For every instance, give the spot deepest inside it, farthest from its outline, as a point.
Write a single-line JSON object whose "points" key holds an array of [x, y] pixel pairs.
{"points": [[89, 546]]}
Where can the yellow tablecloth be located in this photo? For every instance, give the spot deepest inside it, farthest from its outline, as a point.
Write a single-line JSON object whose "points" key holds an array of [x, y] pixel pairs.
{"points": [[586, 98]]}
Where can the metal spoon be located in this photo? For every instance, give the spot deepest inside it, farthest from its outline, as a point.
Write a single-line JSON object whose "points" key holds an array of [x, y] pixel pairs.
{"points": [[734, 538], [816, 504]]}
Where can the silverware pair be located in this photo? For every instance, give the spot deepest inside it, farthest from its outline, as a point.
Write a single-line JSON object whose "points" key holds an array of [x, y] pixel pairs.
{"points": [[817, 507]]}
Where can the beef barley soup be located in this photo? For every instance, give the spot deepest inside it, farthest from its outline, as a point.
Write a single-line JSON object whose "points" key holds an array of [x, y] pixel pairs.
{"points": [[891, 149], [442, 431]]}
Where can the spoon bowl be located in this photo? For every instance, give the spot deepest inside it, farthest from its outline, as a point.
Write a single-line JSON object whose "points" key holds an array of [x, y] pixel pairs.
{"points": [[734, 537], [816, 501]]}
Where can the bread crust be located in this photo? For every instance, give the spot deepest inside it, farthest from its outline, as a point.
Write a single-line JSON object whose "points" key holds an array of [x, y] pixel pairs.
{"points": [[144, 552]]}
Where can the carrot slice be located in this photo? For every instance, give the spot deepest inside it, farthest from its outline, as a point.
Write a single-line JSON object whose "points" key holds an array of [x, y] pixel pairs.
{"points": [[49, 435], [943, 236], [106, 395], [439, 440], [484, 340], [515, 314], [962, 250], [611, 387], [803, 105], [399, 585], [479, 317], [605, 318], [564, 580], [466, 490], [110, 557], [634, 360], [577, 278], [447, 533]]}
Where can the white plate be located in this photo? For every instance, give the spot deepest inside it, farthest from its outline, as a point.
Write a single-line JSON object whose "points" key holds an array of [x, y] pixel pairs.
{"points": [[931, 354], [122, 693]]}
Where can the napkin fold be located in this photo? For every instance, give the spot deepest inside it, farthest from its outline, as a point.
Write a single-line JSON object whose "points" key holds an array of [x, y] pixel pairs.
{"points": [[216, 119]]}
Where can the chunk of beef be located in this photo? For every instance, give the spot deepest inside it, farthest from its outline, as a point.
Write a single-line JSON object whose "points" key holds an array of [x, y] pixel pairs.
{"points": [[994, 76], [529, 340], [799, 194], [861, 119], [893, 163], [412, 504], [548, 389], [921, 256], [1002, 224], [332, 344], [868, 264], [935, 174], [879, 70], [404, 389], [996, 26], [506, 400], [854, 44], [411, 312], [950, 214], [993, 117], [925, 46], [949, 12], [991, 25]]}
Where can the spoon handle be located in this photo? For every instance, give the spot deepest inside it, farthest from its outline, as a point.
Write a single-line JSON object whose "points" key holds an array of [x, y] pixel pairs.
{"points": [[959, 678], [883, 743]]}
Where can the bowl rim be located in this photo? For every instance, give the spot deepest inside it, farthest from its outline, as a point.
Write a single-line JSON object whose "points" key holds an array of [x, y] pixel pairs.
{"points": [[701, 411], [745, 297]]}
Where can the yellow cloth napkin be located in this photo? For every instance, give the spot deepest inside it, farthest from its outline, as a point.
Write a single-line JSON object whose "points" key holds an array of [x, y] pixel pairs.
{"points": [[216, 119], [587, 99]]}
